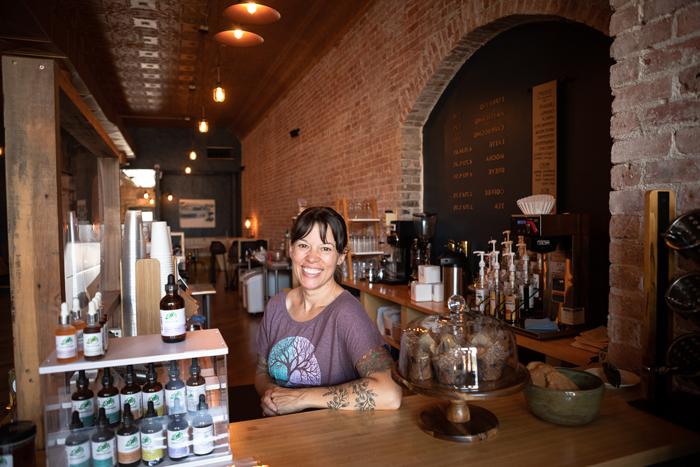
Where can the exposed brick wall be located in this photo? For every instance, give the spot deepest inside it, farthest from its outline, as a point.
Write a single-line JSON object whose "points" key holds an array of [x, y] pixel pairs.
{"points": [[656, 144], [361, 109]]}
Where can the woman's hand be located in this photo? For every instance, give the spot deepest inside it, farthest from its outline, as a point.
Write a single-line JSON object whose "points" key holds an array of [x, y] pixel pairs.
{"points": [[281, 401]]}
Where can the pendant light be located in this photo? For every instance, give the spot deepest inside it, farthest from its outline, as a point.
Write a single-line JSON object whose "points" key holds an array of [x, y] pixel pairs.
{"points": [[218, 93], [250, 12], [238, 37], [203, 125], [193, 154]]}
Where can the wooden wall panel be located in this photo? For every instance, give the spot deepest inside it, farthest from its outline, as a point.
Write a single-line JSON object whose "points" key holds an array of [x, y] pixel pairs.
{"points": [[108, 175], [33, 210]]}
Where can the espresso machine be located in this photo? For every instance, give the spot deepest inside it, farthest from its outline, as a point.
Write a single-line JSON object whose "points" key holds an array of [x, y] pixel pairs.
{"points": [[421, 249], [398, 267], [561, 242]]}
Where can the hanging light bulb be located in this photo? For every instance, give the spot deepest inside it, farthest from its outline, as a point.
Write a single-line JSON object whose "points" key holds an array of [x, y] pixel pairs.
{"points": [[238, 33], [252, 7], [145, 195], [193, 155], [203, 126], [151, 202], [188, 170], [170, 197], [219, 93]]}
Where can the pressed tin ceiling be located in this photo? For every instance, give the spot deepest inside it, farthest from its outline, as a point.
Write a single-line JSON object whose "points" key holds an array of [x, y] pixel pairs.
{"points": [[155, 61]]}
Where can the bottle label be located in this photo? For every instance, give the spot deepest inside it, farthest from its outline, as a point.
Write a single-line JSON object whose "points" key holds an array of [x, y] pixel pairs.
{"points": [[111, 406], [86, 411], [157, 399], [66, 346], [78, 455], [172, 322], [481, 299], [134, 401], [203, 439], [178, 443], [6, 460], [153, 446], [129, 448], [175, 398], [79, 336], [103, 453], [92, 343], [510, 308], [193, 393]]}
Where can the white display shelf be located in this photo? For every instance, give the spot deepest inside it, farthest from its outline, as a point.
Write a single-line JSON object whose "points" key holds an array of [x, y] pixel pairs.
{"points": [[367, 253], [368, 219], [145, 349]]}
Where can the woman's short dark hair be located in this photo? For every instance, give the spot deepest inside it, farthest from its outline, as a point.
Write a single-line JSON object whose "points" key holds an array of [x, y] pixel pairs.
{"points": [[325, 217]]}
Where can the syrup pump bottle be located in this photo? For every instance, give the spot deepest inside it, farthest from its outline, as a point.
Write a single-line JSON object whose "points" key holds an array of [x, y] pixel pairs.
{"points": [[195, 386], [481, 286], [78, 324], [495, 293], [77, 444], [153, 391], [510, 293], [66, 338], [172, 314], [83, 400]]}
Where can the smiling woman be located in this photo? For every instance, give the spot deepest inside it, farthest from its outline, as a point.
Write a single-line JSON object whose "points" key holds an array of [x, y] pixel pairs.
{"points": [[316, 346]]}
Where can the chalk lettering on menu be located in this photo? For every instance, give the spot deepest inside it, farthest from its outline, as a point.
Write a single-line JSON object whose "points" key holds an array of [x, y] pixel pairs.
{"points": [[544, 138]]}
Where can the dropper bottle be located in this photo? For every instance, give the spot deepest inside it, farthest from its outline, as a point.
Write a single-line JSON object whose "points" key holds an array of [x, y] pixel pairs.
{"points": [[175, 392], [66, 338], [481, 286], [92, 336], [195, 386], [153, 391], [77, 443], [78, 324]]}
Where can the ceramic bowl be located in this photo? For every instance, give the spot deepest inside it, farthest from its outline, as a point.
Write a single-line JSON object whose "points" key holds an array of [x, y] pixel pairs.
{"points": [[570, 408]]}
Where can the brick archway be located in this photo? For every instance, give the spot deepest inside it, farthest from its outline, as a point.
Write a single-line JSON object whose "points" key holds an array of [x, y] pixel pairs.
{"points": [[480, 27]]}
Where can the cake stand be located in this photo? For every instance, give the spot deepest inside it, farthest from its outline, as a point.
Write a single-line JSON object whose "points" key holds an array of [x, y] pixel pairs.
{"points": [[457, 420]]}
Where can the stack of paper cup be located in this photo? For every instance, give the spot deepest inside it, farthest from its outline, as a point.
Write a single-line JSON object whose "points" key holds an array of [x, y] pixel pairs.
{"points": [[162, 251], [133, 248]]}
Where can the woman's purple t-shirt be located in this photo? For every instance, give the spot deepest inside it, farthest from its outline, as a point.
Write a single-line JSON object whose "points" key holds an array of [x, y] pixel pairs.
{"points": [[320, 352]]}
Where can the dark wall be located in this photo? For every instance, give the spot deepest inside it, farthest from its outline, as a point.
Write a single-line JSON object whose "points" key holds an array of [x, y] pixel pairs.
{"points": [[493, 89], [508, 67], [217, 179]]}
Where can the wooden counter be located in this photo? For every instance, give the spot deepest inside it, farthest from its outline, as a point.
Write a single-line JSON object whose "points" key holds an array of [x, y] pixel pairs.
{"points": [[620, 436], [373, 296]]}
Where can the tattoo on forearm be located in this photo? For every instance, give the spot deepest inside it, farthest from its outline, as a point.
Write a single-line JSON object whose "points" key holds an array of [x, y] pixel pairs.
{"points": [[374, 361], [339, 397], [364, 396]]}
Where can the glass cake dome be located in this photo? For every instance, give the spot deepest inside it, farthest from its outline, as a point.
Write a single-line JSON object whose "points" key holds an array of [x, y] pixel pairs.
{"points": [[459, 352]]}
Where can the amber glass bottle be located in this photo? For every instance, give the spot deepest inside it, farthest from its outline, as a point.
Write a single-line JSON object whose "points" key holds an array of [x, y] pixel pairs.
{"points": [[172, 314]]}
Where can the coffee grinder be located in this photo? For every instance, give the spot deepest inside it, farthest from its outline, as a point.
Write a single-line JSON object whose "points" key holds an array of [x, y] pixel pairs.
{"points": [[561, 242], [398, 267], [421, 250]]}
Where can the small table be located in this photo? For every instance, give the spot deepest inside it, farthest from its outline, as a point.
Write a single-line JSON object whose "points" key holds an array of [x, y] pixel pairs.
{"points": [[207, 290], [276, 267]]}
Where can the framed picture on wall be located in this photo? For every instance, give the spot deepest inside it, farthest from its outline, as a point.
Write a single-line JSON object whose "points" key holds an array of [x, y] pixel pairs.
{"points": [[197, 213]]}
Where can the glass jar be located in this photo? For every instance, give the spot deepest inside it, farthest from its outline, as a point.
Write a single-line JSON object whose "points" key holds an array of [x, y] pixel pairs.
{"points": [[461, 350]]}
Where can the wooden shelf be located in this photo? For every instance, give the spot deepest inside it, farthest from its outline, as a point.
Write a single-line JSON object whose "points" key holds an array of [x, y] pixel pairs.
{"points": [[145, 349], [367, 253], [366, 220]]}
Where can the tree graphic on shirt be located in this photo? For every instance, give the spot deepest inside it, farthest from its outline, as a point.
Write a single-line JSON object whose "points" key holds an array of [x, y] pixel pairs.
{"points": [[292, 362]]}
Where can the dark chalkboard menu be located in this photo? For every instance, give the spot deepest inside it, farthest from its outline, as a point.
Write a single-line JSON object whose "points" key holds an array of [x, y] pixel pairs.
{"points": [[478, 140]]}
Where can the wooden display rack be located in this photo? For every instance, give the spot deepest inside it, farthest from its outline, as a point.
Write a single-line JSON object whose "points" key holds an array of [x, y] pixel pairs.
{"points": [[341, 206]]}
